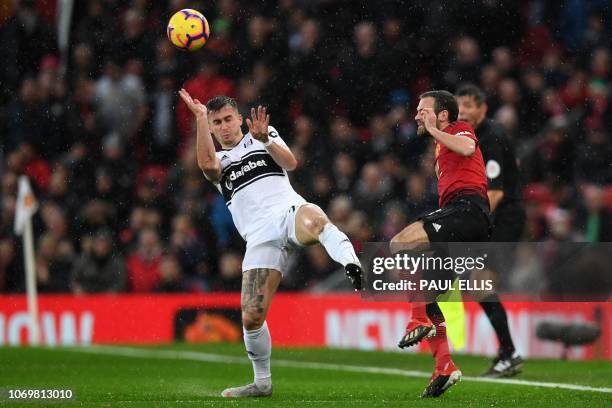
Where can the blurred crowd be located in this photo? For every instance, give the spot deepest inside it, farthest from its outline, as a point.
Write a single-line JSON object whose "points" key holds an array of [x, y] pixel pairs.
{"points": [[110, 151]]}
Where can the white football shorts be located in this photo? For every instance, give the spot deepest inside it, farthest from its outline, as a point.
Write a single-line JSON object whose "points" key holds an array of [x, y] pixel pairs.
{"points": [[274, 253]]}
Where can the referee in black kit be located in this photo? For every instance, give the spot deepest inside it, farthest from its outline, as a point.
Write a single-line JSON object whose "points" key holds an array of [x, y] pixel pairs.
{"points": [[507, 212]]}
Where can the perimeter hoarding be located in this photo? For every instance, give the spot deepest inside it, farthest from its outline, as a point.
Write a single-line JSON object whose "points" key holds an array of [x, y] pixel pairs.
{"points": [[295, 319]]}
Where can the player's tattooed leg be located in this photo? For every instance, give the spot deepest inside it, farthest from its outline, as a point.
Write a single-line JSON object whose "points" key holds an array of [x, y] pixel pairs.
{"points": [[258, 288]]}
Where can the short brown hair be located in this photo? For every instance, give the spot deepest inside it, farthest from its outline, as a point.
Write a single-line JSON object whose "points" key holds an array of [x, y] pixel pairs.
{"points": [[444, 101], [219, 102]]}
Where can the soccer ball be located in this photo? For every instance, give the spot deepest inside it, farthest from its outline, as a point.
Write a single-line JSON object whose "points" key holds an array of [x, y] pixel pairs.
{"points": [[188, 30]]}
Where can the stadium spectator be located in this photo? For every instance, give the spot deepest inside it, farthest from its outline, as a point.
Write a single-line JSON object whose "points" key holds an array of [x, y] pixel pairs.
{"points": [[395, 220], [230, 272], [396, 54], [101, 269], [17, 35], [54, 220], [316, 267], [83, 65], [53, 263], [464, 65], [8, 263], [362, 94], [321, 188], [191, 252], [339, 211], [84, 100], [339, 83], [171, 276], [96, 214], [120, 101], [308, 150], [24, 118], [553, 158], [305, 58], [161, 135], [593, 158], [372, 189], [28, 162], [138, 220], [417, 197], [7, 216], [596, 219], [59, 192], [97, 26], [343, 139], [381, 139], [144, 263], [207, 83], [167, 60], [107, 190], [309, 63], [114, 161], [344, 172], [135, 41]]}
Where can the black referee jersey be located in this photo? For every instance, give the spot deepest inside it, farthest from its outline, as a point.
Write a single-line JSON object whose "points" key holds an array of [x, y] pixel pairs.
{"points": [[502, 174], [500, 161]]}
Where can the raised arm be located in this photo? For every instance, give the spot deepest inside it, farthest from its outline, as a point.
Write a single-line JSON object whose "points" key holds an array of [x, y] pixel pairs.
{"points": [[463, 145], [205, 147], [258, 126]]}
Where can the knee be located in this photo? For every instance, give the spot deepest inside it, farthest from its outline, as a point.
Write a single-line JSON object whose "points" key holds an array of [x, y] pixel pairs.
{"points": [[406, 239], [317, 224], [401, 238], [397, 239], [396, 243], [253, 321]]}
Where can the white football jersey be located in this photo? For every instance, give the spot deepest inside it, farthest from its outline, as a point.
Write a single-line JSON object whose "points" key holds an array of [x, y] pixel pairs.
{"points": [[254, 186]]}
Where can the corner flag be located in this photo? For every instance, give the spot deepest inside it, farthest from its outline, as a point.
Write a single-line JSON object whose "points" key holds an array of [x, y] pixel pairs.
{"points": [[26, 205], [25, 208]]}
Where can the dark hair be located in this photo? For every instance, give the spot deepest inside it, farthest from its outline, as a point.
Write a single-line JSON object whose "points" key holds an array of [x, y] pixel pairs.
{"points": [[444, 101], [219, 102], [474, 91]]}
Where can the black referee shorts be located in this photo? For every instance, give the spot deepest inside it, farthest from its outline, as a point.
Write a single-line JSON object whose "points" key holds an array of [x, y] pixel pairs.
{"points": [[465, 219], [508, 226], [508, 223]]}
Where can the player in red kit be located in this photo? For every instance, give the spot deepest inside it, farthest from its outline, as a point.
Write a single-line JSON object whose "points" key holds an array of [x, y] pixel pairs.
{"points": [[463, 217]]}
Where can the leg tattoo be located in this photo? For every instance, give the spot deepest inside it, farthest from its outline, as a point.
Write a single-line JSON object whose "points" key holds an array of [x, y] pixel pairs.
{"points": [[253, 287]]}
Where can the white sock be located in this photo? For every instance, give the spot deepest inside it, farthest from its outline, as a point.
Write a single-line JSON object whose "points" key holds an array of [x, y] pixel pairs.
{"points": [[338, 245], [259, 348]]}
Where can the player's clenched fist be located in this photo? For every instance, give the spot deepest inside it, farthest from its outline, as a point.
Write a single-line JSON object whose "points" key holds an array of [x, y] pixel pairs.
{"points": [[258, 124]]}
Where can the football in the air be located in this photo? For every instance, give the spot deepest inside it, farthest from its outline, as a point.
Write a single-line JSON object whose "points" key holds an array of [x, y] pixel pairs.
{"points": [[188, 30]]}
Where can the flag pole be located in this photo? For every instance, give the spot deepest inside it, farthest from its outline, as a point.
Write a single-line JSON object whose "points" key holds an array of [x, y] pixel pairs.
{"points": [[26, 206], [28, 252]]}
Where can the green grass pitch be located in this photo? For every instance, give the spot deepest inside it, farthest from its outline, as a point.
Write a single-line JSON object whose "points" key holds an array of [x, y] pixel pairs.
{"points": [[193, 376]]}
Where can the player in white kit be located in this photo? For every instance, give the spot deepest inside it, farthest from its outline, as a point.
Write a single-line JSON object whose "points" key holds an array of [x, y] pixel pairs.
{"points": [[251, 173]]}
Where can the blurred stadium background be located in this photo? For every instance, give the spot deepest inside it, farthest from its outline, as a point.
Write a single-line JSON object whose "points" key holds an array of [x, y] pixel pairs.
{"points": [[134, 246]]}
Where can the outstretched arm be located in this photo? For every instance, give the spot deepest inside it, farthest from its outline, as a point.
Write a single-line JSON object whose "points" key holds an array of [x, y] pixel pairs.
{"points": [[205, 147], [258, 126]]}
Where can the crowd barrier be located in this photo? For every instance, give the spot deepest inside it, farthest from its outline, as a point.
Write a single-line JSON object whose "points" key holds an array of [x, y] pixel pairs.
{"points": [[295, 320]]}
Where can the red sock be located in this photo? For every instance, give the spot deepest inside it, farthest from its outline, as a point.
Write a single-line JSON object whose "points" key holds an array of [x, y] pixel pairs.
{"points": [[438, 343], [418, 312]]}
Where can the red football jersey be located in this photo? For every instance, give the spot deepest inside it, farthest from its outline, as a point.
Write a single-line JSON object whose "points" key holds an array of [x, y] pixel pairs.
{"points": [[457, 174]]}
